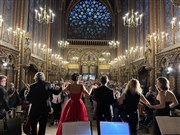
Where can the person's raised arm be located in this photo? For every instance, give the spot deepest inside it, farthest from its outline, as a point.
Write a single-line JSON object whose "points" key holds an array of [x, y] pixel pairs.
{"points": [[65, 88], [86, 92]]}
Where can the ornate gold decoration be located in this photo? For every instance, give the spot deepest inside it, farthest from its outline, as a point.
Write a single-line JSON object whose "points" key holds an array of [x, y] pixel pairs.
{"points": [[176, 2]]}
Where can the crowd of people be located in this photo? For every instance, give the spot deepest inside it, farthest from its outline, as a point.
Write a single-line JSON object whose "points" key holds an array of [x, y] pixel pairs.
{"points": [[111, 101]]}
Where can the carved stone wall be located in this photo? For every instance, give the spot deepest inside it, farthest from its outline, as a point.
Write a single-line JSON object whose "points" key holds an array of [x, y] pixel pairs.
{"points": [[169, 58], [9, 56]]}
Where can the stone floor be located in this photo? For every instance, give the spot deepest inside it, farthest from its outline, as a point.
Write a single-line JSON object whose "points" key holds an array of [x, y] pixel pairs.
{"points": [[51, 130]]}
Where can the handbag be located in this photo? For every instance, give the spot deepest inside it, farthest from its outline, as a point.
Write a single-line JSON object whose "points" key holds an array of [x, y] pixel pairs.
{"points": [[26, 123]]}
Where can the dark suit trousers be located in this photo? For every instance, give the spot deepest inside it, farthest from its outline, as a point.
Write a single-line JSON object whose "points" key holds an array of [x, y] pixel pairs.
{"points": [[42, 119]]}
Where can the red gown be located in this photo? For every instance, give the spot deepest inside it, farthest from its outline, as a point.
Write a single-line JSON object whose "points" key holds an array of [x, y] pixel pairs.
{"points": [[74, 110]]}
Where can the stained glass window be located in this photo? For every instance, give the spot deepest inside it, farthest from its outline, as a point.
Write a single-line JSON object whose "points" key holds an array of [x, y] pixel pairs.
{"points": [[124, 29], [146, 17], [168, 17], [141, 26], [8, 17], [30, 21], [90, 19], [138, 28], [177, 15]]}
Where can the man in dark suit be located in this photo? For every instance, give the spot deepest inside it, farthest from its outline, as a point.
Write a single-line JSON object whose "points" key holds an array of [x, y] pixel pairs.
{"points": [[3, 97], [38, 96], [104, 97]]}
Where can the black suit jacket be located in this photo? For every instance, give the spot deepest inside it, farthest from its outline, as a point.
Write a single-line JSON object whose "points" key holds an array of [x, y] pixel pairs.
{"points": [[105, 98], [3, 102], [38, 96]]}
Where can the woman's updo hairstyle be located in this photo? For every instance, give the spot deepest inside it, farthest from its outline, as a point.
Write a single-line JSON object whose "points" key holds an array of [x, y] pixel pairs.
{"points": [[164, 83], [75, 76]]}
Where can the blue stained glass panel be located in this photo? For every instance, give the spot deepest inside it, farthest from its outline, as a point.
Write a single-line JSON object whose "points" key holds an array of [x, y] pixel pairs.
{"points": [[90, 19], [146, 17], [138, 28], [31, 13], [8, 13], [168, 17], [124, 29], [177, 15], [141, 34]]}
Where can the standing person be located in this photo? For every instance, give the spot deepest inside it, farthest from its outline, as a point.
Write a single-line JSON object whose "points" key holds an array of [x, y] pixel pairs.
{"points": [[56, 99], [3, 99], [13, 96], [38, 97], [131, 97], [167, 100], [74, 109], [104, 98]]}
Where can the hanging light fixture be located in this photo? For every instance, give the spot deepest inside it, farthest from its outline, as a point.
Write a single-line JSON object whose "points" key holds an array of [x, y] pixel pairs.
{"points": [[1, 20], [43, 16], [175, 23], [63, 44], [114, 44], [132, 19]]}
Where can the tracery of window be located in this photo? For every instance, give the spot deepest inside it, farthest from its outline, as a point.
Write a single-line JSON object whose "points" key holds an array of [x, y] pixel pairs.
{"points": [[90, 19]]}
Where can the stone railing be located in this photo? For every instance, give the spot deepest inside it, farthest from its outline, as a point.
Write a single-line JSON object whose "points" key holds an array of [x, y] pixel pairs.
{"points": [[88, 42]]}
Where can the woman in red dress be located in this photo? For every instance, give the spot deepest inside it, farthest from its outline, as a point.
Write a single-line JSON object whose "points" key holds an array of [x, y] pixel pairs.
{"points": [[74, 109]]}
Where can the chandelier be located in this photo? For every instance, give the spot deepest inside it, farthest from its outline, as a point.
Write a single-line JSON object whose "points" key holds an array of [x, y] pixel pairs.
{"points": [[1, 20], [132, 19], [175, 24], [63, 44], [160, 36], [114, 44], [43, 16]]}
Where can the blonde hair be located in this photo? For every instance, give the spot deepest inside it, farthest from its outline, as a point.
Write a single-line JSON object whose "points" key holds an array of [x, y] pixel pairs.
{"points": [[133, 86]]}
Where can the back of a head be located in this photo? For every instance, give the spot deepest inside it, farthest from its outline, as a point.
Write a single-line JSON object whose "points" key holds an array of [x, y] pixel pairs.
{"points": [[75, 76], [2, 77], [39, 76], [134, 86], [104, 79], [164, 83]]}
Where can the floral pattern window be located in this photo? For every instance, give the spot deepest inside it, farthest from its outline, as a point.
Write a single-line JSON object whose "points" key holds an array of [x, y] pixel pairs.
{"points": [[90, 19]]}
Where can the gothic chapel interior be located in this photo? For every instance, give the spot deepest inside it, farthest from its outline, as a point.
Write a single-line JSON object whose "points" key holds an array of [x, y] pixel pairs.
{"points": [[122, 39]]}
